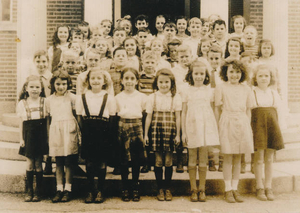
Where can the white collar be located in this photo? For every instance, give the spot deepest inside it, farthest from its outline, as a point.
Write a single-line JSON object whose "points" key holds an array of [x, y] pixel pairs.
{"points": [[168, 94]]}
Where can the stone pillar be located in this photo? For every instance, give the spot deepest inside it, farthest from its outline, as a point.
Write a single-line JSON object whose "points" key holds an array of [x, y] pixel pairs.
{"points": [[95, 11], [219, 7], [32, 34], [275, 28]]}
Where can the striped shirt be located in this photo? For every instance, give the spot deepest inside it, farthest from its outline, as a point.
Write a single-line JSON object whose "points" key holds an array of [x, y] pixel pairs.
{"points": [[146, 84]]}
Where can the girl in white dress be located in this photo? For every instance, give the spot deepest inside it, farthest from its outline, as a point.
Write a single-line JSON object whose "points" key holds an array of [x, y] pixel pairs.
{"points": [[199, 126]]}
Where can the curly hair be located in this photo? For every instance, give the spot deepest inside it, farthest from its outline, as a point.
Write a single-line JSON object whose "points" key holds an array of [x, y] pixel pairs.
{"points": [[56, 40], [197, 63], [270, 68], [24, 94], [234, 39], [60, 74], [168, 73], [237, 65]]}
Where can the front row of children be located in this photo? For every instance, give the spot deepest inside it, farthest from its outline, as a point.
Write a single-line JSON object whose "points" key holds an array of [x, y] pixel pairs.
{"points": [[230, 125]]}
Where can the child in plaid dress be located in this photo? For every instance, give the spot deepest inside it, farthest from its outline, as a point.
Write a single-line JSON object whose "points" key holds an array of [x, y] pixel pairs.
{"points": [[163, 115], [130, 105]]}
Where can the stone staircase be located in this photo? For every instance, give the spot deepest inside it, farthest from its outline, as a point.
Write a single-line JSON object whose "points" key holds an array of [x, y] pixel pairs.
{"points": [[286, 166]]}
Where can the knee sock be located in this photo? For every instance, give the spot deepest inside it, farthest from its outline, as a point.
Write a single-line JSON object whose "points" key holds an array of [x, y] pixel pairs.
{"points": [[258, 171], [268, 173], [234, 184], [135, 173], [101, 179], [39, 181], [29, 176], [202, 178], [158, 176], [168, 176], [124, 176], [90, 179], [68, 187], [192, 175]]}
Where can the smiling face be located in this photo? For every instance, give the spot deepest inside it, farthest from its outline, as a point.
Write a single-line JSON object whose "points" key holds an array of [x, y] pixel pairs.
{"points": [[164, 84], [238, 25], [101, 46], [234, 48], [129, 81], [184, 58], [60, 86], [34, 89], [214, 59], [195, 29], [219, 31], [205, 28], [160, 21], [120, 58], [96, 81], [106, 25], [233, 75], [199, 74], [69, 64], [130, 47], [63, 34], [181, 25], [266, 50], [263, 78], [126, 25], [149, 66], [41, 63], [250, 35], [157, 46]]}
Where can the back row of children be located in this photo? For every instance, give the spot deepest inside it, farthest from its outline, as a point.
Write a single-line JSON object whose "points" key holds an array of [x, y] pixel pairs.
{"points": [[175, 96]]}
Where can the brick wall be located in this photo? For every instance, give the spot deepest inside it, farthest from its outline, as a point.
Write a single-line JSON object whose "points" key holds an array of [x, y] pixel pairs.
{"points": [[8, 66], [294, 52], [62, 12], [256, 16]]}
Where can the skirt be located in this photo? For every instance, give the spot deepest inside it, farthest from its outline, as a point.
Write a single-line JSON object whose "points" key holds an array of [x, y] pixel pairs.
{"points": [[131, 140], [95, 142], [163, 128], [35, 138], [266, 130]]}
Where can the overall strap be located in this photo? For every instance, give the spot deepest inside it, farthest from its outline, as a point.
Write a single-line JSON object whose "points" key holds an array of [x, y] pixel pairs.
{"points": [[27, 109], [154, 102], [41, 108], [171, 108], [273, 97], [86, 109], [103, 105], [255, 97]]}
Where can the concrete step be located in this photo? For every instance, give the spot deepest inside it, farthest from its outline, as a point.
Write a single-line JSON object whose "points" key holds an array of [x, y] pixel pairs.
{"points": [[10, 119], [291, 152], [9, 134], [286, 178], [10, 151]]}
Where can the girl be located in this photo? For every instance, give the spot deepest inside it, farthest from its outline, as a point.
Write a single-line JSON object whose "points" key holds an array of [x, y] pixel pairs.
{"points": [[60, 43], [266, 132], [133, 53], [199, 126], [126, 24], [233, 102], [130, 105], [106, 24], [238, 24], [102, 46], [158, 48], [33, 129], [85, 28], [93, 110], [63, 133], [204, 47], [181, 24], [163, 114], [159, 24], [234, 49]]}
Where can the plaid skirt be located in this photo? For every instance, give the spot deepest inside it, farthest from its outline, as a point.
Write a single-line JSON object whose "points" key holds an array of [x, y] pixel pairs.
{"points": [[163, 131], [131, 140]]}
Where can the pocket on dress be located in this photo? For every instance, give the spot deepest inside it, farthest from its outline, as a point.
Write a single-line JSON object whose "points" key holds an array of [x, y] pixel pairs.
{"points": [[72, 127]]}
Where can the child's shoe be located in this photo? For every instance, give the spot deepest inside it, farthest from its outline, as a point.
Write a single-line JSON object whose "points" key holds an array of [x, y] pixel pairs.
{"points": [[125, 195], [160, 195], [135, 195], [220, 166], [211, 166], [270, 194], [36, 197], [194, 196], [202, 196], [99, 197], [89, 198], [238, 198], [229, 197], [168, 195], [243, 168], [29, 195], [260, 194], [57, 197], [66, 196]]}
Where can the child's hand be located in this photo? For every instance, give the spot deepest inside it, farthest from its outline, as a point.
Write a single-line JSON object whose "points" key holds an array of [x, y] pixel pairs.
{"points": [[22, 143], [146, 140], [184, 140], [177, 140]]}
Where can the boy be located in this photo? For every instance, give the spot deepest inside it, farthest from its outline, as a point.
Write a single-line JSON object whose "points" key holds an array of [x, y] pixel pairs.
{"points": [[250, 45], [172, 51], [180, 70], [205, 30], [195, 29], [141, 21], [181, 24], [169, 32], [142, 39], [219, 31], [215, 58], [77, 36], [119, 36]]}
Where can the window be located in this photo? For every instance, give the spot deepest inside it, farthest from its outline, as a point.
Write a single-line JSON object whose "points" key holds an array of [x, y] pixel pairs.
{"points": [[6, 22]]}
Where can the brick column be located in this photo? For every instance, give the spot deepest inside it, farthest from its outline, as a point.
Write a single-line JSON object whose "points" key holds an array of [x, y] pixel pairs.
{"points": [[275, 25], [95, 11], [32, 25]]}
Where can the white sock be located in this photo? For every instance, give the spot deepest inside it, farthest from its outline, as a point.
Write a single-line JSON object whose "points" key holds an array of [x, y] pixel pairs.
{"points": [[227, 185], [68, 187], [59, 187], [234, 184]]}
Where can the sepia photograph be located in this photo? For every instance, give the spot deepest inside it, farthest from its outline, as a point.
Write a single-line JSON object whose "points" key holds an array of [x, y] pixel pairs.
{"points": [[150, 106]]}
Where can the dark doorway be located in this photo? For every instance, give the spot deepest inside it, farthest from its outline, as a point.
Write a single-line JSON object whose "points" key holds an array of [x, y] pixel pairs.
{"points": [[235, 7], [152, 8]]}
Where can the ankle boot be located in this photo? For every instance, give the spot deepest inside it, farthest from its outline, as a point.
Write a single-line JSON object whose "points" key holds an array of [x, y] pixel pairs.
{"points": [[38, 188], [211, 166], [29, 179], [220, 166]]}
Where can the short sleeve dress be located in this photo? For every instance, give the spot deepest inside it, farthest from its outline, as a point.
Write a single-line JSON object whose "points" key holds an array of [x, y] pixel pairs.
{"points": [[234, 125]]}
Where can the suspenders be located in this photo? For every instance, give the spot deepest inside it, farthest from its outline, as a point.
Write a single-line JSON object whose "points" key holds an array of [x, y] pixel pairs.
{"points": [[154, 103], [29, 110], [257, 101], [86, 109]]}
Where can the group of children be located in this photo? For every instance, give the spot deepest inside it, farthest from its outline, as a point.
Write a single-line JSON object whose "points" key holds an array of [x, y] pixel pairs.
{"points": [[97, 96]]}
